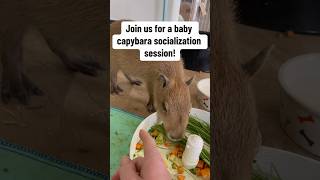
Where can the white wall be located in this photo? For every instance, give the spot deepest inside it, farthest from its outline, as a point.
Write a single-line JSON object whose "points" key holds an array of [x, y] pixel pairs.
{"points": [[151, 10], [139, 10]]}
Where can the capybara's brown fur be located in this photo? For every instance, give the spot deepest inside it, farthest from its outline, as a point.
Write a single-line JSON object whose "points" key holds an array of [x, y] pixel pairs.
{"points": [[167, 87], [236, 136], [75, 31]]}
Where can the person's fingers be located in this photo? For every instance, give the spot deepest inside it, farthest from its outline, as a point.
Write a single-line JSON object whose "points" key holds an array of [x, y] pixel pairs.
{"points": [[128, 170], [138, 163], [124, 160], [149, 145], [116, 176]]}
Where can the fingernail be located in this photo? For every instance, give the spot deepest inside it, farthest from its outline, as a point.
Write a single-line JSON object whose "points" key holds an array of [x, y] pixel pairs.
{"points": [[141, 130]]}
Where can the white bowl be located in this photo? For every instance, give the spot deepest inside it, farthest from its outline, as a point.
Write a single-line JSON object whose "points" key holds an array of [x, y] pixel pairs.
{"points": [[300, 98], [203, 87], [151, 120]]}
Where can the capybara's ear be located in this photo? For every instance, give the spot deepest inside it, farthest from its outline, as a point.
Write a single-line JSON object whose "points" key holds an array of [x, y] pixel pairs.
{"points": [[254, 65], [189, 81], [164, 80]]}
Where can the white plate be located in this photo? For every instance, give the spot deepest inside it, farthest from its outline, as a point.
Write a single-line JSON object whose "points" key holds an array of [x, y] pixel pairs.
{"points": [[151, 120], [290, 166]]}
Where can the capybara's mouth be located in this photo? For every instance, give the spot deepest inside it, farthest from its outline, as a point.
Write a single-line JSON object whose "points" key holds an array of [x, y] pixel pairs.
{"points": [[173, 139]]}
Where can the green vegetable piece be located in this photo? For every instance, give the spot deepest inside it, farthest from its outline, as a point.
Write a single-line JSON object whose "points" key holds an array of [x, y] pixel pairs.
{"points": [[193, 171], [160, 139], [174, 166]]}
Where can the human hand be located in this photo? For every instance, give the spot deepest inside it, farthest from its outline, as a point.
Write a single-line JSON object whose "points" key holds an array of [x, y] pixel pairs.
{"points": [[151, 166]]}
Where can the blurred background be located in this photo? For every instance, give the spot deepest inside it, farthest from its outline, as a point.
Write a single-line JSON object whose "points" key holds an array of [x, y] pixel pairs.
{"points": [[300, 16]]}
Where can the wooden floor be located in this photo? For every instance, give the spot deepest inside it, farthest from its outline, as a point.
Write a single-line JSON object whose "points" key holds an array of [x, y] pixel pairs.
{"points": [[266, 86], [69, 122]]}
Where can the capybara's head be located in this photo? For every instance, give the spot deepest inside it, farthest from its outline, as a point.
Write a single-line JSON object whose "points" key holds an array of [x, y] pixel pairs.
{"points": [[173, 105]]}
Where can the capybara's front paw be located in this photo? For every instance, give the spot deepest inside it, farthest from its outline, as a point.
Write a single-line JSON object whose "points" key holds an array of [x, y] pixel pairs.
{"points": [[20, 88], [85, 64]]}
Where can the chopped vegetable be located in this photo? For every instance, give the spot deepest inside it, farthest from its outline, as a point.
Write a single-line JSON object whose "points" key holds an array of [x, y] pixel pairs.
{"points": [[174, 166], [180, 177], [171, 157], [174, 152], [198, 171], [154, 133], [206, 165], [180, 147], [139, 146], [205, 172], [180, 170], [166, 144], [200, 128], [193, 171], [200, 164], [160, 139]]}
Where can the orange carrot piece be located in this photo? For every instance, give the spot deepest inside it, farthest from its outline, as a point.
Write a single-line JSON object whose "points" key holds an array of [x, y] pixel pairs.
{"points": [[198, 173], [180, 170], [139, 146], [166, 144], [174, 152], [200, 164], [205, 172], [206, 165], [181, 177], [181, 149]]}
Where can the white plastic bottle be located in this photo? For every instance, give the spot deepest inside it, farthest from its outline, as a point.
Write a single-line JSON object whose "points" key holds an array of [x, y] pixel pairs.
{"points": [[191, 154]]}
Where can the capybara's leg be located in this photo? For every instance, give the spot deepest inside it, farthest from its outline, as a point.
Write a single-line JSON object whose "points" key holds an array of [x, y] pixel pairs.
{"points": [[15, 83], [74, 59]]}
